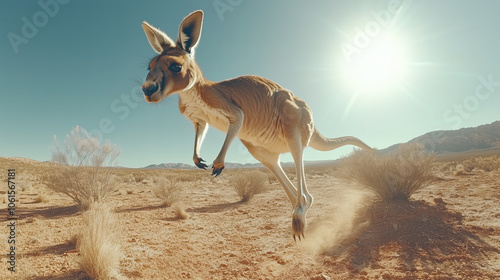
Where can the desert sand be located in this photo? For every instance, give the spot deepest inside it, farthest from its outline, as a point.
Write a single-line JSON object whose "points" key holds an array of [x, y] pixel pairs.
{"points": [[448, 230]]}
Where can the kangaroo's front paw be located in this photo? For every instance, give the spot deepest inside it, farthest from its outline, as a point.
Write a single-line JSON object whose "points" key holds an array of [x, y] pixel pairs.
{"points": [[217, 168], [199, 162]]}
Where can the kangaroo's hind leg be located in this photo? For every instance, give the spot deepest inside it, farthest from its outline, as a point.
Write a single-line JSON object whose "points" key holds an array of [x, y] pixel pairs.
{"points": [[304, 198], [298, 128], [271, 160]]}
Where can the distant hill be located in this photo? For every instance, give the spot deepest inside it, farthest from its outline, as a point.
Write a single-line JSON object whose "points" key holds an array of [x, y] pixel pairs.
{"points": [[232, 165], [187, 166], [465, 140], [170, 166]]}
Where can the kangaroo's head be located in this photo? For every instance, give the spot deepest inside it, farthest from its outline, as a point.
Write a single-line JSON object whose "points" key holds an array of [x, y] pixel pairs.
{"points": [[174, 68]]}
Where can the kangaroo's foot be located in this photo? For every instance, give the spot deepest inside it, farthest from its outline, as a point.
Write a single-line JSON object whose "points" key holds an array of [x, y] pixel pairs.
{"points": [[298, 222], [217, 168], [200, 163]]}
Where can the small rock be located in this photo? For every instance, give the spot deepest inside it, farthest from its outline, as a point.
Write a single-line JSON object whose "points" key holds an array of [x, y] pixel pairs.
{"points": [[281, 261], [325, 277]]}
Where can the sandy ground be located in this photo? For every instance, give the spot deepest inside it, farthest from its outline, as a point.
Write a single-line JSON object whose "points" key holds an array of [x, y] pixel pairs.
{"points": [[449, 230]]}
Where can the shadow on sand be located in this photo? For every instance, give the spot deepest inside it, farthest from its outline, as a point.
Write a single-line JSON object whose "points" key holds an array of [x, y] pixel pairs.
{"points": [[57, 249], [45, 212], [216, 207], [70, 275], [415, 235], [140, 208]]}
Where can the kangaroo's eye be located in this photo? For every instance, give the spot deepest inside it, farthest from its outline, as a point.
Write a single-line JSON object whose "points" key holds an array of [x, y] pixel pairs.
{"points": [[175, 67]]}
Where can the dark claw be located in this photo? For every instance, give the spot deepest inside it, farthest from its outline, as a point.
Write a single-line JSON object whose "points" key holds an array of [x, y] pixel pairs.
{"points": [[217, 171], [300, 236], [200, 164]]}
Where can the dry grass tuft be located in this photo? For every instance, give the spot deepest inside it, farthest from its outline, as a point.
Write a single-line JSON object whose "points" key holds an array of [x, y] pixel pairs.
{"points": [[139, 177], [248, 184], [98, 244], [465, 167], [180, 212], [41, 198], [191, 177], [393, 176], [73, 240], [168, 191], [84, 173], [487, 164], [24, 185], [460, 170]]}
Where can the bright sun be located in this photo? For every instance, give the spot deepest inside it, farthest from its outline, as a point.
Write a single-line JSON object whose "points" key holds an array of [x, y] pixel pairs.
{"points": [[377, 67]]}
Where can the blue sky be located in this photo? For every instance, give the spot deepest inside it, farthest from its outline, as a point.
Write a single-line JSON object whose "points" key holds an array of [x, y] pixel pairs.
{"points": [[383, 71]]}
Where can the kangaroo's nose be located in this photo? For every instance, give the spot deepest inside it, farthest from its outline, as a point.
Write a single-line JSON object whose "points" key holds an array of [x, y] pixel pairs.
{"points": [[149, 90]]}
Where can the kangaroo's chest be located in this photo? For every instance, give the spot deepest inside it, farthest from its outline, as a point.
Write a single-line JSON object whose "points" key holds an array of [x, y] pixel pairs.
{"points": [[195, 109]]}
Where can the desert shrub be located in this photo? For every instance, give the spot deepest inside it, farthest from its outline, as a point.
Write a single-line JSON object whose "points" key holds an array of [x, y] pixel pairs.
{"points": [[459, 170], [41, 198], [393, 176], [98, 244], [488, 164], [448, 166], [168, 191], [468, 165], [138, 177], [180, 212], [23, 185], [84, 173], [127, 179], [248, 184], [191, 177], [271, 178]]}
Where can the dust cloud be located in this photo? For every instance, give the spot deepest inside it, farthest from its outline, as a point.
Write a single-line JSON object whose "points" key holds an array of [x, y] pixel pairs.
{"points": [[345, 218]]}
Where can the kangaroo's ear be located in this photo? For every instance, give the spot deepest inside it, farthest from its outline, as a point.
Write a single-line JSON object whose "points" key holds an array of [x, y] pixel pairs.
{"points": [[157, 38], [190, 31]]}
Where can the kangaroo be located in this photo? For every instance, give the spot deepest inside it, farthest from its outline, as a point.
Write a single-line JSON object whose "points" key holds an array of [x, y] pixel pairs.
{"points": [[268, 119]]}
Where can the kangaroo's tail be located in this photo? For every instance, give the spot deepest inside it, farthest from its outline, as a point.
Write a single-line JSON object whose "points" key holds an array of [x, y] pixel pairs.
{"points": [[321, 143]]}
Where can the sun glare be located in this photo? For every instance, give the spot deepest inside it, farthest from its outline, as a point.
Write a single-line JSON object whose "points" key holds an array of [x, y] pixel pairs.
{"points": [[377, 67]]}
